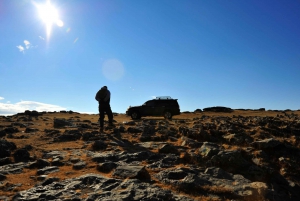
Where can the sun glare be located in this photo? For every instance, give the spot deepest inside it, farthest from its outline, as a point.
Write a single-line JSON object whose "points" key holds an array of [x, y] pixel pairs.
{"points": [[49, 15]]}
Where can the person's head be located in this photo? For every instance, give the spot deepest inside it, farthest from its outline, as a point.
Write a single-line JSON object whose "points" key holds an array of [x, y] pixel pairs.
{"points": [[104, 88]]}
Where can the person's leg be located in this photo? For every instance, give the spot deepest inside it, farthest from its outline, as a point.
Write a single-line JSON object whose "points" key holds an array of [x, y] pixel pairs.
{"points": [[101, 114], [109, 115]]}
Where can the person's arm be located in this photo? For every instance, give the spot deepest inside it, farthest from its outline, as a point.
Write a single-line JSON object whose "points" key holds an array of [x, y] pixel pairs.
{"points": [[107, 97], [97, 96]]}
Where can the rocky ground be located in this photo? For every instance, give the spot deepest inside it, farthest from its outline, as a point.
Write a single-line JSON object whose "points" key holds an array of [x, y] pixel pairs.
{"points": [[242, 155]]}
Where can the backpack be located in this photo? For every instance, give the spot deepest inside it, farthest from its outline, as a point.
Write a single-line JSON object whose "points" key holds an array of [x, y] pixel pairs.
{"points": [[101, 94]]}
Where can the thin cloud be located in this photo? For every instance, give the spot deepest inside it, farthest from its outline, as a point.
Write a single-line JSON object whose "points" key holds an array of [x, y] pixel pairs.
{"points": [[21, 48], [41, 38], [1, 98], [27, 44], [10, 109]]}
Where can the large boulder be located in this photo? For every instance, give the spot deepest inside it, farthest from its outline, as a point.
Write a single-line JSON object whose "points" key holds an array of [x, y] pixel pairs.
{"points": [[6, 148]]}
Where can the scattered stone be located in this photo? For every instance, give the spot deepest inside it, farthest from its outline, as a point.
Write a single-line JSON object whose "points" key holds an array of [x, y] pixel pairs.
{"points": [[49, 181], [48, 170], [11, 130], [2, 177], [168, 149], [230, 160], [57, 161], [41, 163], [265, 144], [31, 130], [131, 172], [60, 123], [99, 145], [208, 149], [106, 167], [21, 155], [79, 165], [2, 133], [134, 130], [71, 135]]}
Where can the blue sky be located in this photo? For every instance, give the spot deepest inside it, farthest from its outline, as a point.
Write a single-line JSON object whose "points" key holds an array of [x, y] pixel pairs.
{"points": [[238, 54]]}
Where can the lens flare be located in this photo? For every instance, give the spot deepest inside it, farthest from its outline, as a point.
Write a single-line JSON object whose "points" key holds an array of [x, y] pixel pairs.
{"points": [[113, 69]]}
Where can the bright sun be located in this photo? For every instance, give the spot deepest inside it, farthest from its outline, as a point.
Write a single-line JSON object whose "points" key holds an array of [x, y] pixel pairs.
{"points": [[49, 14]]}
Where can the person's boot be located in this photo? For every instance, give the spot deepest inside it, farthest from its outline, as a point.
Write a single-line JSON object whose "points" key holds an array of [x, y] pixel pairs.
{"points": [[101, 130], [111, 125]]}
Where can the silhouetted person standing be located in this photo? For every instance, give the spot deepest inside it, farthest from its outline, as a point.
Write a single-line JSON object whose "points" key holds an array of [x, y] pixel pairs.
{"points": [[103, 98]]}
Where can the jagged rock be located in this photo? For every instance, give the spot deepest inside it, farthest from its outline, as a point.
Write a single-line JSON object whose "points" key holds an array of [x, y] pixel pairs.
{"points": [[28, 147], [47, 170], [134, 157], [6, 148], [194, 133], [106, 167], [5, 161], [265, 144], [21, 155], [99, 145], [31, 130], [197, 111], [11, 130], [57, 161], [229, 160], [69, 135], [190, 142], [74, 159], [257, 173], [169, 160], [60, 123], [217, 109], [103, 157], [2, 133], [122, 156], [134, 130], [51, 132], [41, 177], [2, 177], [182, 178], [31, 113], [122, 129], [238, 138], [99, 188], [84, 126], [218, 173], [208, 149], [49, 181], [15, 168], [55, 154], [91, 136], [168, 149], [79, 165], [41, 163], [131, 172], [130, 123]]}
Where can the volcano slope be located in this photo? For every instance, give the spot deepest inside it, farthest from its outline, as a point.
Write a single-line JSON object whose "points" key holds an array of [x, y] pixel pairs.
{"points": [[242, 155]]}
